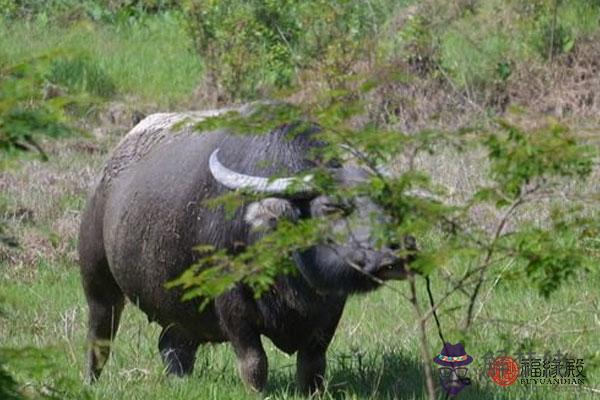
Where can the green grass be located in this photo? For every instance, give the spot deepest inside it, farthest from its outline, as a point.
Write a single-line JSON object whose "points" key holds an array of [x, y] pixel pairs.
{"points": [[148, 59], [374, 354]]}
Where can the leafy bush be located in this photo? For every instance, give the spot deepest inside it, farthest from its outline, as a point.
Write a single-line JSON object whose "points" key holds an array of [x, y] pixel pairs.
{"points": [[8, 386], [477, 44], [274, 39], [26, 9], [473, 63], [38, 365], [560, 24], [25, 111]]}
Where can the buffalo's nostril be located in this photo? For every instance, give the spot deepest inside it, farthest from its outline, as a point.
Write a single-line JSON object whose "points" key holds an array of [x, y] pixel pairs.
{"points": [[394, 246]]}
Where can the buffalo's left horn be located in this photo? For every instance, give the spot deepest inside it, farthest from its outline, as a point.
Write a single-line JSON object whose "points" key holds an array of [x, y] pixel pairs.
{"points": [[235, 180]]}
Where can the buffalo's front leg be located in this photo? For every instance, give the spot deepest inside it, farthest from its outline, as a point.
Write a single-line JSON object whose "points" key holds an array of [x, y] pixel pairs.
{"points": [[310, 368], [239, 321], [252, 362], [311, 361]]}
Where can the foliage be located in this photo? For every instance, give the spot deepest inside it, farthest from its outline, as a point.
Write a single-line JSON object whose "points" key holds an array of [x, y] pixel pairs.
{"points": [[275, 40], [523, 166], [534, 166], [26, 111], [101, 10], [476, 45], [474, 42], [551, 256], [37, 364], [520, 158], [207, 282], [526, 167], [8, 386]]}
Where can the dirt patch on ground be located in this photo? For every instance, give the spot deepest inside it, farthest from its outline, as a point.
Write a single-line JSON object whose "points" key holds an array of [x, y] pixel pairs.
{"points": [[568, 88], [41, 201]]}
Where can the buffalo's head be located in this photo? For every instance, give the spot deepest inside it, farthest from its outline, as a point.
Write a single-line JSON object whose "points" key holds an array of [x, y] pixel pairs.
{"points": [[356, 262]]}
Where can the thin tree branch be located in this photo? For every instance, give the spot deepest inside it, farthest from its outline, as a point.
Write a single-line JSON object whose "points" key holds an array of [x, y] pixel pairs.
{"points": [[520, 200], [422, 325]]}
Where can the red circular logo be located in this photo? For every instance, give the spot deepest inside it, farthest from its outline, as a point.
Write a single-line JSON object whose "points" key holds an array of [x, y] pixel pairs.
{"points": [[504, 371]]}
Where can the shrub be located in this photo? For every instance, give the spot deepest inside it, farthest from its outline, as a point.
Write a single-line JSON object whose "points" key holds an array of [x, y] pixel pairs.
{"points": [[560, 24], [273, 40], [25, 111], [477, 45]]}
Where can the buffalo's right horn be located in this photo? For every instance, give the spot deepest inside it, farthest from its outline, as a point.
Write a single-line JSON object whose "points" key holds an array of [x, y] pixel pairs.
{"points": [[235, 180]]}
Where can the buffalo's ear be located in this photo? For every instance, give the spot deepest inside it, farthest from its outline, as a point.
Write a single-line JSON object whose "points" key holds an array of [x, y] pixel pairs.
{"points": [[264, 214]]}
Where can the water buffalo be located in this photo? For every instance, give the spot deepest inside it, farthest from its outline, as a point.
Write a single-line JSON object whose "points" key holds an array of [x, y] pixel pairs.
{"points": [[147, 212]]}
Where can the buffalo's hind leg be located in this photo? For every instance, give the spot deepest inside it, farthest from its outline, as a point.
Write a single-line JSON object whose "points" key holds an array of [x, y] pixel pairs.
{"points": [[104, 297], [105, 302], [177, 351]]}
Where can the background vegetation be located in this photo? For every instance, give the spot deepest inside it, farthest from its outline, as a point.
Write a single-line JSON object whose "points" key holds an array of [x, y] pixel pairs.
{"points": [[84, 72]]}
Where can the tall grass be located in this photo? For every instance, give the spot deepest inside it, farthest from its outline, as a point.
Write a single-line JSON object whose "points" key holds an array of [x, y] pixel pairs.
{"points": [[148, 59]]}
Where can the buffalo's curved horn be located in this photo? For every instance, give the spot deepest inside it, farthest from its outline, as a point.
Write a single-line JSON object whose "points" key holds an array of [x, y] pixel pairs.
{"points": [[235, 180]]}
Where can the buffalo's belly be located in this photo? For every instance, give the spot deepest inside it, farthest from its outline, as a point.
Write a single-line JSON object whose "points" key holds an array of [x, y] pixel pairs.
{"points": [[165, 307], [291, 325], [200, 325], [143, 259], [290, 340]]}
